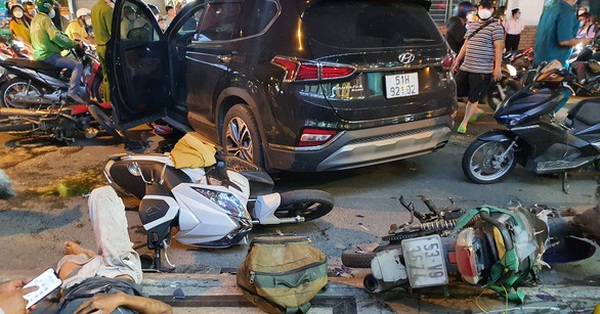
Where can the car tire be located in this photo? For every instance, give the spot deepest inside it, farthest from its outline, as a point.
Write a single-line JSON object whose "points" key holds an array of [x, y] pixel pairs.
{"points": [[240, 136]]}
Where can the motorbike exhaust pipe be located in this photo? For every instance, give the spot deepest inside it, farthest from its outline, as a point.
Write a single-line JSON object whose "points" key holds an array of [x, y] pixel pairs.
{"points": [[373, 285], [11, 112], [28, 100]]}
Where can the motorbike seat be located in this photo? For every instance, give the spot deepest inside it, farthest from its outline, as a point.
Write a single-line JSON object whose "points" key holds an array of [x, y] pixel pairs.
{"points": [[32, 64], [585, 114]]}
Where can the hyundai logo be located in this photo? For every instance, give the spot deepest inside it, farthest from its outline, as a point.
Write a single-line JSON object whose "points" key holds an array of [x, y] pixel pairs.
{"points": [[406, 58]]}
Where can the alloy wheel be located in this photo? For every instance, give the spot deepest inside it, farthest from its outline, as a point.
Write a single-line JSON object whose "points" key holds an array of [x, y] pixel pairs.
{"points": [[238, 140]]}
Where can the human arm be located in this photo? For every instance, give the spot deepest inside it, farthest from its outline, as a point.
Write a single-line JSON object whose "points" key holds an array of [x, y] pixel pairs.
{"points": [[460, 56], [575, 41], [59, 38], [108, 20], [498, 48], [107, 303]]}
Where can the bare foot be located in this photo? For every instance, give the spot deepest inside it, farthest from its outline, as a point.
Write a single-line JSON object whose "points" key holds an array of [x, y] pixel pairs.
{"points": [[72, 248]]}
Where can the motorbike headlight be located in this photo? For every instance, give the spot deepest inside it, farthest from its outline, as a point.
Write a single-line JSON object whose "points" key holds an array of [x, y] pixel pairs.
{"points": [[226, 201], [511, 70]]}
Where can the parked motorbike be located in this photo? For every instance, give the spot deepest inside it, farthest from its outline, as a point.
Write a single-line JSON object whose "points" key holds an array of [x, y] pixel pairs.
{"points": [[13, 48], [27, 83], [514, 67], [534, 137], [487, 246], [207, 205]]}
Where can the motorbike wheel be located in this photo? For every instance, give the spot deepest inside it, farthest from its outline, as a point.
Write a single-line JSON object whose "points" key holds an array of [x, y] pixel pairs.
{"points": [[481, 162], [354, 259], [106, 122], [310, 204], [351, 258], [97, 90], [12, 87], [508, 86]]}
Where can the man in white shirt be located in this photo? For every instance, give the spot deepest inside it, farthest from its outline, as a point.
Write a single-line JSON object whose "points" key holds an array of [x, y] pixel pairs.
{"points": [[513, 26]]}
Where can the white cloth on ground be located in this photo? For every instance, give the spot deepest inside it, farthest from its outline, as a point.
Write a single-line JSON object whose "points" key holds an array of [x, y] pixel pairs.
{"points": [[116, 256]]}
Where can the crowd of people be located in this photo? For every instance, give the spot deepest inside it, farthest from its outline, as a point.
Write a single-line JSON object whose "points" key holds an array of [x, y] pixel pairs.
{"points": [[480, 34], [39, 26]]}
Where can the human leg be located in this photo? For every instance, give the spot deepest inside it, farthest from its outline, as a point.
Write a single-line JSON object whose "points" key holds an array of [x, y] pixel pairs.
{"points": [[76, 73], [478, 85], [107, 214], [101, 51]]}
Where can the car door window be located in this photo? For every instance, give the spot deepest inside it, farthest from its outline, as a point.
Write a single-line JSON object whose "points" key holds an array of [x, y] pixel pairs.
{"points": [[218, 23], [258, 16], [135, 25]]}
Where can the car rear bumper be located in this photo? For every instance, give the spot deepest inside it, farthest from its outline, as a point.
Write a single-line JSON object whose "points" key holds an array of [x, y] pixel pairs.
{"points": [[365, 147]]}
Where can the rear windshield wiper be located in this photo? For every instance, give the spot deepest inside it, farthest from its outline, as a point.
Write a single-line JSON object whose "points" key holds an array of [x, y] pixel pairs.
{"points": [[417, 40]]}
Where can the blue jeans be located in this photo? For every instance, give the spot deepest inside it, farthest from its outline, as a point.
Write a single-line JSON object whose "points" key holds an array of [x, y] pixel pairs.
{"points": [[75, 66]]}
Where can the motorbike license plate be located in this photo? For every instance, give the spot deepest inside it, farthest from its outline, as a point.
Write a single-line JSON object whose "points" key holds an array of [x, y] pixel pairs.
{"points": [[401, 85], [424, 259]]}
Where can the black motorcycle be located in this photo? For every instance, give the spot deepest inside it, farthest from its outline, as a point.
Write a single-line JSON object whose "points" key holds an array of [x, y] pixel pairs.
{"points": [[28, 83], [534, 137], [514, 67]]}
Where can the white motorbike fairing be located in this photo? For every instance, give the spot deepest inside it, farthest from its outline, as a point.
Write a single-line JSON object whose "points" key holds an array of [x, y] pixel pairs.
{"points": [[211, 216]]}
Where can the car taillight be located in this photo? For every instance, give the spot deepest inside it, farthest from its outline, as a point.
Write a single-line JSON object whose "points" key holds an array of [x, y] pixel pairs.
{"points": [[448, 61], [314, 137], [297, 70]]}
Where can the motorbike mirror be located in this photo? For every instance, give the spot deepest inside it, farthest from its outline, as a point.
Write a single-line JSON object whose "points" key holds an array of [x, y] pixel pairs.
{"points": [[135, 170]]}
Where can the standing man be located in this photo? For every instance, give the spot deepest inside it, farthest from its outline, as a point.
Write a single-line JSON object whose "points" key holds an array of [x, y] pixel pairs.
{"points": [[514, 26], [556, 33], [170, 14], [482, 56], [456, 27], [102, 13], [48, 42]]}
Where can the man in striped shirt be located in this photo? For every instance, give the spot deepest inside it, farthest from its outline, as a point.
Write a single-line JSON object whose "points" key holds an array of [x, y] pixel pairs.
{"points": [[481, 58]]}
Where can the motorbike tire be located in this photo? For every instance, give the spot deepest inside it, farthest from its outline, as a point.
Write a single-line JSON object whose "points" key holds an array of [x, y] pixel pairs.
{"points": [[497, 172], [351, 258], [106, 122], [310, 204], [9, 85], [509, 86], [97, 90]]}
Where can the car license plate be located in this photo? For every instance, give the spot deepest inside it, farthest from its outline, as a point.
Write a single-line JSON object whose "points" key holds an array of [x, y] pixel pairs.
{"points": [[424, 259], [401, 85]]}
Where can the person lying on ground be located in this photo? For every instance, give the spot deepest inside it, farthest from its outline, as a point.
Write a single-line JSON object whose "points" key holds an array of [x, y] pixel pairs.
{"points": [[107, 279]]}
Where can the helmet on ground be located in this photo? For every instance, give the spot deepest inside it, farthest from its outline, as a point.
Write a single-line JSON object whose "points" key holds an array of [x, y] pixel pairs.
{"points": [[83, 12], [44, 5], [488, 3]]}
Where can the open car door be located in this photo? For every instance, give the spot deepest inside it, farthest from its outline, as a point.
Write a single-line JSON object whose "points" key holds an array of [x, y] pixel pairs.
{"points": [[137, 63]]}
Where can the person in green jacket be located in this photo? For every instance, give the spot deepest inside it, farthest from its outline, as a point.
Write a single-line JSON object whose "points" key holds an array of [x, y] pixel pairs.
{"points": [[102, 13], [48, 42]]}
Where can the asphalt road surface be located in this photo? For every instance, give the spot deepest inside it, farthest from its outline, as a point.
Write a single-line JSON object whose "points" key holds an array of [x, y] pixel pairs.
{"points": [[34, 228]]}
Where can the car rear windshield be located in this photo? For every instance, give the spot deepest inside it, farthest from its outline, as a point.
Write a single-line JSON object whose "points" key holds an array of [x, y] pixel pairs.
{"points": [[370, 24]]}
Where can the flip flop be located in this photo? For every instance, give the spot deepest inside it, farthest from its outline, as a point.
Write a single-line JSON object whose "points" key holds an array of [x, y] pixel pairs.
{"points": [[476, 116], [461, 129]]}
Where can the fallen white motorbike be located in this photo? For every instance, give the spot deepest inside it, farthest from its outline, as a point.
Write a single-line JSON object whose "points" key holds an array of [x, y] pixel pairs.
{"points": [[207, 205]]}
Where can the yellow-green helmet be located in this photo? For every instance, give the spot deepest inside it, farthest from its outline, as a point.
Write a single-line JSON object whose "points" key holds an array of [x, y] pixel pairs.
{"points": [[44, 5]]}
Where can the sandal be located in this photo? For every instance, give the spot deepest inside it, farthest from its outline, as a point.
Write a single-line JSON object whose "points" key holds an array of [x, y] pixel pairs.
{"points": [[461, 129], [476, 116]]}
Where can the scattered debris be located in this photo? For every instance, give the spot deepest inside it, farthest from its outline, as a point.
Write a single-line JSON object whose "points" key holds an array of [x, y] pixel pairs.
{"points": [[341, 271], [360, 216], [178, 294], [76, 185], [546, 297]]}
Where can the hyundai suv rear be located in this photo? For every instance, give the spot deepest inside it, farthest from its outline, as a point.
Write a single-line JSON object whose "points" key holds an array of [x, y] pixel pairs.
{"points": [[292, 85]]}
